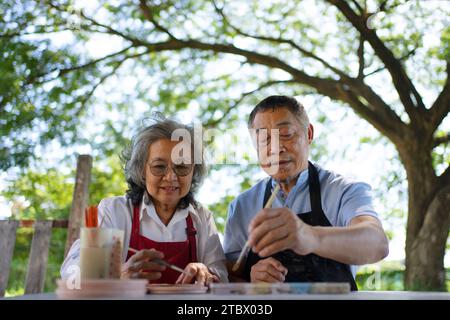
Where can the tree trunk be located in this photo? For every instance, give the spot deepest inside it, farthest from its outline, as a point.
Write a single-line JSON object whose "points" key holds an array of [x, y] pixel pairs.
{"points": [[428, 221]]}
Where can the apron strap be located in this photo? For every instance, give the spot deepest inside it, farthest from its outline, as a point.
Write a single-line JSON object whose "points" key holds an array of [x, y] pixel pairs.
{"points": [[135, 225], [191, 232], [318, 217], [135, 228]]}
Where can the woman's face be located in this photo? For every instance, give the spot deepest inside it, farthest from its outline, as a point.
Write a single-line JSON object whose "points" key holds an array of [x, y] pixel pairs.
{"points": [[164, 186]]}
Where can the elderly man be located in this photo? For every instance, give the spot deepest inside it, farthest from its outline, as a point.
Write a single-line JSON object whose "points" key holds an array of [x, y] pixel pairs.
{"points": [[320, 223]]}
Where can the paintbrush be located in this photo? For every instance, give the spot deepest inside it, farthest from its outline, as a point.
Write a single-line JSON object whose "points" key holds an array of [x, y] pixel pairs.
{"points": [[246, 248]]}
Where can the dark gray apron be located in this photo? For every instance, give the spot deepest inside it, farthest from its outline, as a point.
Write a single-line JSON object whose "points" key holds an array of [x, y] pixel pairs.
{"points": [[311, 267]]}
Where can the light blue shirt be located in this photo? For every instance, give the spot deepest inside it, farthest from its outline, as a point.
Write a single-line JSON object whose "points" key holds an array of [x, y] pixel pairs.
{"points": [[342, 200]]}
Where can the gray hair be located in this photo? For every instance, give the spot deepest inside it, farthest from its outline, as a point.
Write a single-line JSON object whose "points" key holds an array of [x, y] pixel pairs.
{"points": [[274, 102], [136, 155]]}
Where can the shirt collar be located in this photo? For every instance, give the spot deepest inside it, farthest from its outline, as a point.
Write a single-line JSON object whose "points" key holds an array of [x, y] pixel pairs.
{"points": [[150, 211], [302, 180]]}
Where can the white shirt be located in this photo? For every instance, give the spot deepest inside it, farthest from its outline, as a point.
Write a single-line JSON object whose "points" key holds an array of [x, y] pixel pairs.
{"points": [[117, 212]]}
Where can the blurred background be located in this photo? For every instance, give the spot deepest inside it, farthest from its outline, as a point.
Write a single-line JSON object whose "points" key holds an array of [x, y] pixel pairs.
{"points": [[80, 77]]}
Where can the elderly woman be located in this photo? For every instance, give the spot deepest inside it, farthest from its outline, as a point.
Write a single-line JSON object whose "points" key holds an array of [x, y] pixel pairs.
{"points": [[159, 214]]}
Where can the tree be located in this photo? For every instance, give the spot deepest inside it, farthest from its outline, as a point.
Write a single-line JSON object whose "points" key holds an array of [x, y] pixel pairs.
{"points": [[381, 68]]}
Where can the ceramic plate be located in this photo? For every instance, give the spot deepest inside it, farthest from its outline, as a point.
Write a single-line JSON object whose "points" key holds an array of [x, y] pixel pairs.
{"points": [[133, 288]]}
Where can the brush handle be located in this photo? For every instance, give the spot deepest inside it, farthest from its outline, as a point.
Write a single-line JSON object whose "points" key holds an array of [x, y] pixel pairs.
{"points": [[246, 247]]}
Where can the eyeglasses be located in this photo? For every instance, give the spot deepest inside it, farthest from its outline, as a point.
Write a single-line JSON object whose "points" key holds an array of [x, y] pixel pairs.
{"points": [[160, 169]]}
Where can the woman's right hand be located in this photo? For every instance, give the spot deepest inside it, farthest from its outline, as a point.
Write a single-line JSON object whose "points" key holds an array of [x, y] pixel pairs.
{"points": [[140, 265]]}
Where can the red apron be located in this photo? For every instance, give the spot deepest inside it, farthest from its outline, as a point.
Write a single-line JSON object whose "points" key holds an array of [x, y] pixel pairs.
{"points": [[178, 253]]}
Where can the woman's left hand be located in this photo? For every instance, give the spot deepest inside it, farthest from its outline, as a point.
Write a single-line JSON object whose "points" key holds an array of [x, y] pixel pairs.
{"points": [[199, 272]]}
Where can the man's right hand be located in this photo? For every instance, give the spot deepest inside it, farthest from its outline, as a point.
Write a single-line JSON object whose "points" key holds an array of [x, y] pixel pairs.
{"points": [[268, 270], [140, 265]]}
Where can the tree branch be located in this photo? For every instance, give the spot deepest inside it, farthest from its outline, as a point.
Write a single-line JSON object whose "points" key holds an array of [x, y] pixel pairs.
{"points": [[251, 56], [391, 128], [326, 86], [444, 179], [64, 71], [214, 123], [110, 30], [411, 99], [377, 104], [134, 41], [278, 41], [39, 31], [87, 96], [384, 8], [373, 108], [361, 58], [361, 10], [146, 10], [410, 53], [93, 62], [441, 140], [441, 106]]}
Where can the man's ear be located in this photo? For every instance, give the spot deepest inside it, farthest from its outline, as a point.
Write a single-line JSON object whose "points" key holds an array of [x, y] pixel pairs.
{"points": [[310, 133]]}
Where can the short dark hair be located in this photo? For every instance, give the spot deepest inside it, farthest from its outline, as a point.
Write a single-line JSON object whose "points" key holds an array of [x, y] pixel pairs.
{"points": [[274, 102]]}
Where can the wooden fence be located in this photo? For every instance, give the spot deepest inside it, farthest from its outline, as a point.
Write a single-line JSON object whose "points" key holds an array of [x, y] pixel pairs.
{"points": [[38, 257]]}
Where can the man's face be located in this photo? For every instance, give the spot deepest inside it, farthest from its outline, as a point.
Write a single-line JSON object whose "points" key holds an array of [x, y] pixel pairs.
{"points": [[285, 159]]}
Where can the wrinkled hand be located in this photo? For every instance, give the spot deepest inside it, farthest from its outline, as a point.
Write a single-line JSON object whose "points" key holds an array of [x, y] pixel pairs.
{"points": [[140, 265], [199, 272], [275, 230], [268, 270]]}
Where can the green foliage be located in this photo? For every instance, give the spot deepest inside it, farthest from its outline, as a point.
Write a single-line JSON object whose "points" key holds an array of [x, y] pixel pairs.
{"points": [[107, 181], [220, 212], [48, 195], [49, 79], [383, 280], [444, 52], [388, 277], [43, 93], [41, 195], [441, 154], [245, 180], [54, 88]]}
